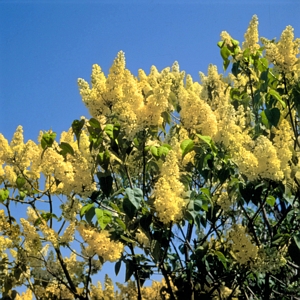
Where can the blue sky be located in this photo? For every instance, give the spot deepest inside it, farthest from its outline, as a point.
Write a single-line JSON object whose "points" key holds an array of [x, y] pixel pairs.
{"points": [[46, 45]]}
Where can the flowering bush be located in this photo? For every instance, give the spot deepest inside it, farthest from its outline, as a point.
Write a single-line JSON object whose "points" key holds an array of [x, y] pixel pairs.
{"points": [[198, 182]]}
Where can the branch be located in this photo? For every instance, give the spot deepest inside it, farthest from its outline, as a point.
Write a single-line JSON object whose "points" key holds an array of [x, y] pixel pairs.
{"points": [[66, 272], [136, 273]]}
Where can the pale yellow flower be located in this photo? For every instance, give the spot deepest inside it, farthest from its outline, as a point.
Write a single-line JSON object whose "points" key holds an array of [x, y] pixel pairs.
{"points": [[242, 248], [251, 36], [283, 54], [68, 235], [25, 295], [100, 243], [168, 191], [196, 114]]}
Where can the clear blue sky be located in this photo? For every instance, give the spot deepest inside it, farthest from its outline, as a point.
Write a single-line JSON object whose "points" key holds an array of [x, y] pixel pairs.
{"points": [[46, 45]]}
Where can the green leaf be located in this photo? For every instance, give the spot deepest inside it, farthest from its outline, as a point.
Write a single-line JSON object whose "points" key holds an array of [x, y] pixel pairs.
{"points": [[167, 117], [220, 44], [85, 209], [22, 195], [223, 174], [162, 150], [209, 141], [129, 270], [115, 207], [225, 53], [77, 127], [280, 239], [276, 95], [17, 273], [109, 129], [262, 64], [89, 215], [297, 240], [203, 220], [135, 196], [246, 53], [190, 216], [264, 81], [235, 70], [116, 130], [104, 217], [153, 150], [121, 223], [127, 239], [118, 266], [271, 200], [264, 119], [20, 182], [106, 184], [235, 94], [234, 42], [48, 139], [205, 138], [132, 200], [66, 148], [187, 146], [221, 258], [294, 251], [226, 63], [94, 123], [198, 205], [47, 216], [273, 116], [146, 221], [4, 193], [103, 159]]}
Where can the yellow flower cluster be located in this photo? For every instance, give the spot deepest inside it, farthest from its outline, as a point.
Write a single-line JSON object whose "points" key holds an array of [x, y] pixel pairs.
{"points": [[270, 260], [214, 88], [283, 143], [68, 235], [75, 267], [242, 248], [260, 158], [50, 234], [283, 54], [4, 225], [100, 243], [224, 293], [71, 208], [156, 291], [73, 174], [27, 295], [97, 293], [142, 238], [224, 201], [5, 243], [33, 243], [29, 160], [268, 162], [168, 191], [53, 290], [251, 36], [138, 103], [226, 38], [195, 113], [17, 157]]}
